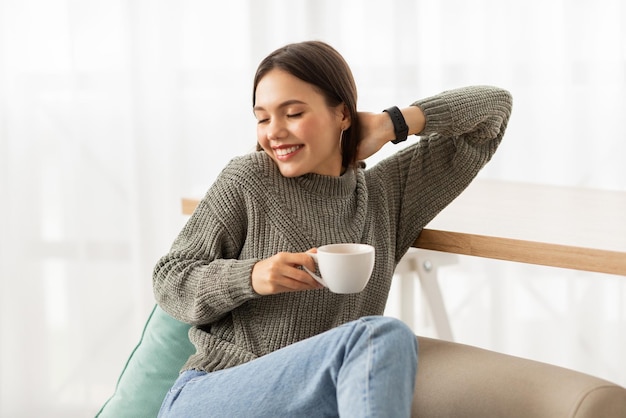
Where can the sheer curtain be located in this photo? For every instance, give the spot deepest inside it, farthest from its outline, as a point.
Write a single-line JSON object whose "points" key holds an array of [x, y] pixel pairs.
{"points": [[110, 111]]}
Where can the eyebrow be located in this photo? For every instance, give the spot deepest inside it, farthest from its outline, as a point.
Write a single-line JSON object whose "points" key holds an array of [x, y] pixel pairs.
{"points": [[283, 104]]}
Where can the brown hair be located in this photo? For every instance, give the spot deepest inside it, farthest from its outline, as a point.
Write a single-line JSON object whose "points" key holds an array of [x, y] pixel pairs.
{"points": [[320, 65]]}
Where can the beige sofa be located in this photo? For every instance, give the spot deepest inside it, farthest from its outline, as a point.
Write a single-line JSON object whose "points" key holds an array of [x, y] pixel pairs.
{"points": [[456, 380], [453, 380]]}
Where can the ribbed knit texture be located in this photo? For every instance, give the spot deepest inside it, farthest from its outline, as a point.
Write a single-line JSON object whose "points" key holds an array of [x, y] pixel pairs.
{"points": [[252, 212]]}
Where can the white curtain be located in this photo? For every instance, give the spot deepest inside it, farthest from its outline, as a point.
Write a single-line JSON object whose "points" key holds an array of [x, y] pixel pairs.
{"points": [[112, 110]]}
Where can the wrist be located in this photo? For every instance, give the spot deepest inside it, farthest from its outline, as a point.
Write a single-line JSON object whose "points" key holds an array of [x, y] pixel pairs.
{"points": [[400, 127], [415, 118]]}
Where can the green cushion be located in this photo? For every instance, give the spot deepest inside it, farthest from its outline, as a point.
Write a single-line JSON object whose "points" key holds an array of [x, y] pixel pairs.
{"points": [[152, 368]]}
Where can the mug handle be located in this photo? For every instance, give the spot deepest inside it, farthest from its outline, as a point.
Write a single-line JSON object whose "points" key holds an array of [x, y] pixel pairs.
{"points": [[315, 276]]}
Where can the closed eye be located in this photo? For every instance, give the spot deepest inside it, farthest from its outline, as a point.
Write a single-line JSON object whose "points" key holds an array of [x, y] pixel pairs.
{"points": [[295, 115]]}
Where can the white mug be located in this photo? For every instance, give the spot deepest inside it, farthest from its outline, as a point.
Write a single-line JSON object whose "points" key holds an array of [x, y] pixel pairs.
{"points": [[345, 268]]}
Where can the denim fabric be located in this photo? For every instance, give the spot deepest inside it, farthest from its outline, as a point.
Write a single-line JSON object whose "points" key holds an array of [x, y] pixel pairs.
{"points": [[365, 368]]}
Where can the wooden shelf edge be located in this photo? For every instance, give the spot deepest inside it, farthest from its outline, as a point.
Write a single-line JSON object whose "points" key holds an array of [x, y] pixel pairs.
{"points": [[578, 258], [189, 205]]}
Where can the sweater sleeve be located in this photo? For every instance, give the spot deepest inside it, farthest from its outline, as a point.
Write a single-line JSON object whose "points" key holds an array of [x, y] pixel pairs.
{"points": [[463, 130], [201, 278]]}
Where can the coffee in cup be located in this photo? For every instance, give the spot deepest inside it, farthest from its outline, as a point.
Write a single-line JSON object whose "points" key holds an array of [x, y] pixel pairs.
{"points": [[344, 268]]}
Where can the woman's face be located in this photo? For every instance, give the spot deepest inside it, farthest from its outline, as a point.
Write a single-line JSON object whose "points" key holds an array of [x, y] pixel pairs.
{"points": [[295, 126]]}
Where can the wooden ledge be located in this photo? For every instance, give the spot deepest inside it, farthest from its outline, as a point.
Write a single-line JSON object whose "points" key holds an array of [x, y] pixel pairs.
{"points": [[545, 254]]}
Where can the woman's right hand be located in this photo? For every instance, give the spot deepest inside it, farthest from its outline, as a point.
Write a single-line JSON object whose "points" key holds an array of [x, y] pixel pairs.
{"points": [[282, 273]]}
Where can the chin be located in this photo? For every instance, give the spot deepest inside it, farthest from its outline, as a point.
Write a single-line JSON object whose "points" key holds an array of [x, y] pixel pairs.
{"points": [[290, 173]]}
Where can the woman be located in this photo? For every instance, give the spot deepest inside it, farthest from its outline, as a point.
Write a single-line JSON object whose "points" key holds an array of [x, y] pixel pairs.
{"points": [[270, 340]]}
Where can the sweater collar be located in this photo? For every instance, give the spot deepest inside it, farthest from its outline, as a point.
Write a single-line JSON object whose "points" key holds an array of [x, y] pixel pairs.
{"points": [[329, 186], [325, 186]]}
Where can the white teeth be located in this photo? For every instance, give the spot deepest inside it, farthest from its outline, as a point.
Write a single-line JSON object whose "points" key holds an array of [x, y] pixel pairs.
{"points": [[285, 151]]}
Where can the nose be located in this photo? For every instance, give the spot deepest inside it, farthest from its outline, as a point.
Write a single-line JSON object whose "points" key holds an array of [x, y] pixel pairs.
{"points": [[276, 130]]}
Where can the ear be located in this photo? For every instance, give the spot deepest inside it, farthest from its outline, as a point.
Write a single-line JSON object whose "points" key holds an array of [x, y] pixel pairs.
{"points": [[344, 116]]}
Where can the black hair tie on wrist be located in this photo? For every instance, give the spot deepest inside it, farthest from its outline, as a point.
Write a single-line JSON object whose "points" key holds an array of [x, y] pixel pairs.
{"points": [[400, 128]]}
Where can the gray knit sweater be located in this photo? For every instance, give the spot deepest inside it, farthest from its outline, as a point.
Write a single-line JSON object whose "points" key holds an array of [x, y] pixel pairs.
{"points": [[252, 212]]}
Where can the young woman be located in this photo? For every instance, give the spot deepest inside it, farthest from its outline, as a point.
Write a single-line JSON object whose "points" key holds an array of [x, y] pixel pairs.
{"points": [[270, 340]]}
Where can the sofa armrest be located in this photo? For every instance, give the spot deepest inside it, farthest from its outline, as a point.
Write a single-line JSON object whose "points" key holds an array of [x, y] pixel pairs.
{"points": [[457, 380]]}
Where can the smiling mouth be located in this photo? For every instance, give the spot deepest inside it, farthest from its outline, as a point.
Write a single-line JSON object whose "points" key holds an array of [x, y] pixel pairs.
{"points": [[281, 152]]}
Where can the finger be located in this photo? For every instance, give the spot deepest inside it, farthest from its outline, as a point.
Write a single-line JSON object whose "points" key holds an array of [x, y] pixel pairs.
{"points": [[294, 279], [283, 273], [305, 278], [292, 276]]}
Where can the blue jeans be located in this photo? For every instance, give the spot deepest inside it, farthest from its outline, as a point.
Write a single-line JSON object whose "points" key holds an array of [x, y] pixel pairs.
{"points": [[365, 368]]}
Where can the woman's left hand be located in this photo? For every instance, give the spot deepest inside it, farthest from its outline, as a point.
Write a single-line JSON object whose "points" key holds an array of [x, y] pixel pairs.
{"points": [[376, 131]]}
